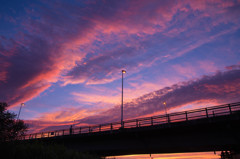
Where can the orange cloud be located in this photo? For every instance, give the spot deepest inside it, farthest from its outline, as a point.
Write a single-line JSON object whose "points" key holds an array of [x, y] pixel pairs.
{"points": [[67, 114]]}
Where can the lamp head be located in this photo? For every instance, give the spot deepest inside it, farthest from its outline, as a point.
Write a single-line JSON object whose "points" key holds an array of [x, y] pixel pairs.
{"points": [[123, 71]]}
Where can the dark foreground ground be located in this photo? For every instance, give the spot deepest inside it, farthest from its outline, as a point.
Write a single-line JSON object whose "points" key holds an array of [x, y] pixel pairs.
{"points": [[41, 151]]}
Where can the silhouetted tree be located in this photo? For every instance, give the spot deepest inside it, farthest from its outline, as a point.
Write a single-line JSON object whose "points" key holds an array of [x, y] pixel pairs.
{"points": [[10, 128]]}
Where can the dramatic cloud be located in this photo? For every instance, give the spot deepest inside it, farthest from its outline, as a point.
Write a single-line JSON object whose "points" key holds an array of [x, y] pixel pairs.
{"points": [[89, 42], [28, 70], [140, 34]]}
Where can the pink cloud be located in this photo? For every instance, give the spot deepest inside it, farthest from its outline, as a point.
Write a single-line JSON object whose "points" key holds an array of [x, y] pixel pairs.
{"points": [[36, 126], [185, 70], [208, 66], [233, 67], [30, 70], [191, 70], [128, 17], [66, 116], [126, 24], [95, 98]]}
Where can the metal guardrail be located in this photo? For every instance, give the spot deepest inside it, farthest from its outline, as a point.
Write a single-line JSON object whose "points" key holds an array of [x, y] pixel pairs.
{"points": [[209, 112]]}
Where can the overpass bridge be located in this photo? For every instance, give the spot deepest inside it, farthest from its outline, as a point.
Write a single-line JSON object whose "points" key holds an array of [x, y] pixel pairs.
{"points": [[207, 129]]}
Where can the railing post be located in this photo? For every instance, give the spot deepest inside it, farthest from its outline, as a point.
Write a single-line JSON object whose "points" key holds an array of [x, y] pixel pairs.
{"points": [[122, 124], [48, 134], [206, 112], [186, 116], [168, 118], [99, 128], [111, 127], [136, 123], [151, 121], [213, 113], [230, 110]]}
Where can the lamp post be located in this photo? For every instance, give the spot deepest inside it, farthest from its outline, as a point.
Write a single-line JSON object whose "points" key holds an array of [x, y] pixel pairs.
{"points": [[123, 71], [22, 104], [164, 103]]}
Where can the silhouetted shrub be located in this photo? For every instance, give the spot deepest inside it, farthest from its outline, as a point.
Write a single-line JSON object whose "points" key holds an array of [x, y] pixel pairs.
{"points": [[10, 128]]}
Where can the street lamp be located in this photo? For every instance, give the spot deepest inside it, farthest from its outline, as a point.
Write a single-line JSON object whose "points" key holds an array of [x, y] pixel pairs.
{"points": [[123, 71], [22, 104], [164, 103]]}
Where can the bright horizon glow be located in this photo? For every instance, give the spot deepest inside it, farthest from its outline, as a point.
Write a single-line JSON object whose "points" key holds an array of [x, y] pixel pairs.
{"points": [[193, 155]]}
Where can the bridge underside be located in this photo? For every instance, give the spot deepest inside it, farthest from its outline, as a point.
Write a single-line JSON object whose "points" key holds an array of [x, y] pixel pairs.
{"points": [[209, 134]]}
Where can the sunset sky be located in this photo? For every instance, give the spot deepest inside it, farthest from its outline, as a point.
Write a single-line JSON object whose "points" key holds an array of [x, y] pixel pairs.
{"points": [[63, 59]]}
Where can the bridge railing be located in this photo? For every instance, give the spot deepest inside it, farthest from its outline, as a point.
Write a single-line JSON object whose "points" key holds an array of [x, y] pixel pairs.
{"points": [[209, 112]]}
